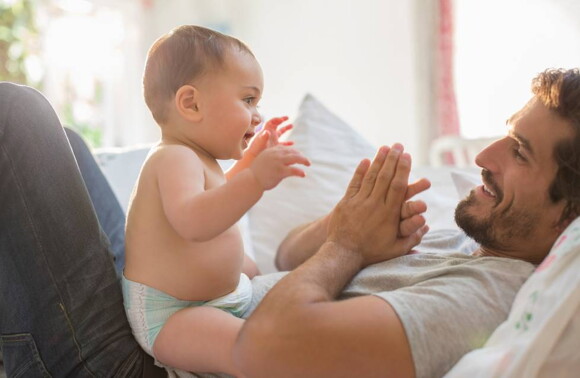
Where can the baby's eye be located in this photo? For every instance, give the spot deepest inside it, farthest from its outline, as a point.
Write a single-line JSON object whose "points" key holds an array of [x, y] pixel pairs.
{"points": [[249, 100]]}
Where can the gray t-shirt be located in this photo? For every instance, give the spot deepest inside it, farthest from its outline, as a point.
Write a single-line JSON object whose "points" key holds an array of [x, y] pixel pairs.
{"points": [[449, 302]]}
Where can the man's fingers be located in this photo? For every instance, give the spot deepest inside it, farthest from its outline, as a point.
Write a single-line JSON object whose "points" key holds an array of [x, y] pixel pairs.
{"points": [[395, 195], [410, 225], [387, 172], [417, 187], [356, 181], [370, 178]]}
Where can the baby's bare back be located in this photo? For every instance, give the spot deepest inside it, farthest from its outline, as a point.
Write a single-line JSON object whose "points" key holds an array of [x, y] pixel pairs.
{"points": [[159, 255]]}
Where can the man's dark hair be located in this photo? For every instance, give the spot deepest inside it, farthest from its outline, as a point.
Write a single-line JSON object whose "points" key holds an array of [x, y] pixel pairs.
{"points": [[179, 57], [559, 91]]}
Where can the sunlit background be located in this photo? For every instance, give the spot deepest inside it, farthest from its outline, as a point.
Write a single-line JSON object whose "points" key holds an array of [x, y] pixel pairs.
{"points": [[378, 64]]}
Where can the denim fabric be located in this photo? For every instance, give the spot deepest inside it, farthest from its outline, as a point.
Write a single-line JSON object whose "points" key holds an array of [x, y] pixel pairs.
{"points": [[61, 308], [109, 212]]}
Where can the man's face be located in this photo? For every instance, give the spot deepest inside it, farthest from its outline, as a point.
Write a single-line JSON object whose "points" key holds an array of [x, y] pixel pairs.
{"points": [[511, 214]]}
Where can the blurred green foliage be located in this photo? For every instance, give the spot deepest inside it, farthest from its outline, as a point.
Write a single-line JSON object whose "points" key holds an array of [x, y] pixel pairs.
{"points": [[92, 135], [18, 35], [19, 40]]}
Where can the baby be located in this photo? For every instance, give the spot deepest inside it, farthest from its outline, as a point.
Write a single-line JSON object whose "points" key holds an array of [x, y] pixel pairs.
{"points": [[186, 282]]}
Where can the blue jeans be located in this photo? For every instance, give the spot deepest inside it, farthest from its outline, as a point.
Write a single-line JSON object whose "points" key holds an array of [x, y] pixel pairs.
{"points": [[61, 308], [107, 208]]}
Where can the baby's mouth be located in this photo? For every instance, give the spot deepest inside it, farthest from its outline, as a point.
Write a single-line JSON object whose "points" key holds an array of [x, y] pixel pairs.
{"points": [[248, 136]]}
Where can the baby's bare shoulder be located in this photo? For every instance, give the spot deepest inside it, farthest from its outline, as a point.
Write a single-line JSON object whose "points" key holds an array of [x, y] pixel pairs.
{"points": [[168, 151], [171, 155]]}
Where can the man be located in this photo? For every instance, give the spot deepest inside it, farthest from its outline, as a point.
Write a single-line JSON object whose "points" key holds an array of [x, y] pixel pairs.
{"points": [[530, 193]]}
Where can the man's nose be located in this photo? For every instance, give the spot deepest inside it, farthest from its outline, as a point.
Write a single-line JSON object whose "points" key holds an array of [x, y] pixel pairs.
{"points": [[491, 156]]}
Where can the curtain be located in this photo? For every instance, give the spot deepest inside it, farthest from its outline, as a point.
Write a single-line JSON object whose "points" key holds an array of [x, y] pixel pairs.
{"points": [[447, 117]]}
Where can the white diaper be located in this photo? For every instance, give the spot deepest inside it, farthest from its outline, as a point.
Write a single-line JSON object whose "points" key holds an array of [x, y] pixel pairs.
{"points": [[148, 309]]}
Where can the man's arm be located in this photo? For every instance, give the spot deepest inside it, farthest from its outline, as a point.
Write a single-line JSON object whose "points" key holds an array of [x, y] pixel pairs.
{"points": [[298, 330], [301, 243]]}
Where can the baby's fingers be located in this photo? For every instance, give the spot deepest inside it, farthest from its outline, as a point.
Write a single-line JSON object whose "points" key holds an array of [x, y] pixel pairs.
{"points": [[294, 171], [295, 157], [282, 130], [407, 243], [410, 225], [273, 123]]}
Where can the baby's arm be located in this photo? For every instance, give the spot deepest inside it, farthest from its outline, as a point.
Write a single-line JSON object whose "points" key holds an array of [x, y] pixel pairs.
{"points": [[197, 214]]}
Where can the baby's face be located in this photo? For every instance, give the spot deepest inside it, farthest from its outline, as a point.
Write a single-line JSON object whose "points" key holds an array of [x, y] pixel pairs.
{"points": [[228, 101]]}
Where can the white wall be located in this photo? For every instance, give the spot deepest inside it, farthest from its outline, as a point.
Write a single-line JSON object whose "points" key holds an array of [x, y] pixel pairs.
{"points": [[500, 46], [357, 57]]}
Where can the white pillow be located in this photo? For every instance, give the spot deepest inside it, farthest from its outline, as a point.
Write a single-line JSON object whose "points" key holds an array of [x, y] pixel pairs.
{"points": [[121, 167], [334, 149]]}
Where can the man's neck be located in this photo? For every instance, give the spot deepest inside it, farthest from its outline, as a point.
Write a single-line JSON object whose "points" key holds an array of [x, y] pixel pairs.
{"points": [[489, 252]]}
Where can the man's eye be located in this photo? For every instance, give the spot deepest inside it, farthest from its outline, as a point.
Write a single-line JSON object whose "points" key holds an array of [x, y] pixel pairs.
{"points": [[518, 155]]}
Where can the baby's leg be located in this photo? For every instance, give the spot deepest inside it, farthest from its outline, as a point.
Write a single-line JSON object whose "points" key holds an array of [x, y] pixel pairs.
{"points": [[199, 339]]}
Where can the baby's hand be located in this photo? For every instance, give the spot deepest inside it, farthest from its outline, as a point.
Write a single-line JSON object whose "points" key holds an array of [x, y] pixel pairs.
{"points": [[269, 136], [276, 163]]}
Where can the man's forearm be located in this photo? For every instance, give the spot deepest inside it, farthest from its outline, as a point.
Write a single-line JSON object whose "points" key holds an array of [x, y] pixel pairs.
{"points": [[301, 243], [320, 278], [263, 345]]}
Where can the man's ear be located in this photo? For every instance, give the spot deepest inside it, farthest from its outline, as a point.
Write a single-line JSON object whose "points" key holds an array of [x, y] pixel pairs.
{"points": [[186, 103], [564, 223]]}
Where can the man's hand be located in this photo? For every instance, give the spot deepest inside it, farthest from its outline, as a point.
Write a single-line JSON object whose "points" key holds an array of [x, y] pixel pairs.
{"points": [[366, 220]]}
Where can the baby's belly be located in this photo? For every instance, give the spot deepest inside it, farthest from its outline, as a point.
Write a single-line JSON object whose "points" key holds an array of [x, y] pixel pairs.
{"points": [[195, 271]]}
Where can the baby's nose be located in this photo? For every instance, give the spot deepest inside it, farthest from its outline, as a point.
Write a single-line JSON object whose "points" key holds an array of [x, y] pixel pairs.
{"points": [[256, 119]]}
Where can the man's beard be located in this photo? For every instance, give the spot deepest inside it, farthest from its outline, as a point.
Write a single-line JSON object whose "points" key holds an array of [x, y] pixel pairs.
{"points": [[499, 229]]}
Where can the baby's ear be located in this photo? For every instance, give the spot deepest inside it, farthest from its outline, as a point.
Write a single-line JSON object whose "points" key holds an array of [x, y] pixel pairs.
{"points": [[186, 102]]}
